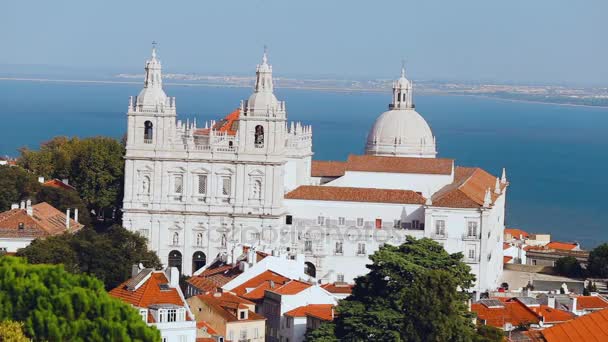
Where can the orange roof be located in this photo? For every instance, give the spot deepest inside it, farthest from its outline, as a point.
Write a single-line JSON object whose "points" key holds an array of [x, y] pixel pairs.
{"points": [[512, 312], [56, 183], [149, 292], [342, 288], [348, 194], [261, 282], [320, 168], [506, 259], [517, 233], [369, 163], [590, 302], [44, 221], [468, 189], [588, 328], [566, 246], [506, 245], [229, 125], [219, 273], [226, 304], [203, 324], [292, 287], [551, 315], [322, 311]]}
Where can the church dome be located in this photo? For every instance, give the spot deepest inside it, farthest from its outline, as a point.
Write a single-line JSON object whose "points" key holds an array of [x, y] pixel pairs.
{"points": [[262, 100], [401, 131]]}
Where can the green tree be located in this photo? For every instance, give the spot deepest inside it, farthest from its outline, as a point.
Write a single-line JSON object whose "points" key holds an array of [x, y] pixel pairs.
{"points": [[108, 255], [324, 333], [413, 292], [16, 184], [58, 306], [487, 333], [11, 331], [568, 266], [598, 261], [63, 199], [52, 160]]}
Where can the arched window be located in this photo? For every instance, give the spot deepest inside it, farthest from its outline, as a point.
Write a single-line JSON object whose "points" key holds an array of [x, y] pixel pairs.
{"points": [[310, 269], [145, 185], [148, 132], [199, 239], [175, 260], [259, 136], [199, 260], [224, 240], [175, 239], [256, 190]]}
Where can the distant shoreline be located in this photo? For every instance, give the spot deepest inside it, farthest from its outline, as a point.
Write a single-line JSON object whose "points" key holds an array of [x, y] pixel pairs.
{"points": [[325, 89]]}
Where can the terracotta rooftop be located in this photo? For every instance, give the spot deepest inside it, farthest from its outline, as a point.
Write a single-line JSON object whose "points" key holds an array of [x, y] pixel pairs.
{"points": [[56, 183], [321, 168], [348, 194], [468, 189], [506, 259], [517, 233], [321, 311], [149, 292], [565, 246], [590, 302], [339, 288], [292, 287], [592, 327], [369, 163], [254, 288], [219, 273], [229, 125], [517, 311], [44, 221], [226, 304]]}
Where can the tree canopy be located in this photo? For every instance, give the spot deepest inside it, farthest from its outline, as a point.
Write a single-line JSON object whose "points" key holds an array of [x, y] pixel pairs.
{"points": [[11, 331], [55, 305], [598, 261], [413, 292], [16, 184], [95, 166], [568, 266], [106, 255]]}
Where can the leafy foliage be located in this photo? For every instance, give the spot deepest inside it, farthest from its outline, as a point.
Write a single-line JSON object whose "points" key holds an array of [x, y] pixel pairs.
{"points": [[56, 305], [63, 199], [108, 255], [413, 292], [324, 333], [568, 266], [487, 333], [12, 331], [598, 261], [16, 184]]}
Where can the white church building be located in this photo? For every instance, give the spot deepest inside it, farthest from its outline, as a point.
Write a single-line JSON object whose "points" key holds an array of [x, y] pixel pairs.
{"points": [[249, 180]]}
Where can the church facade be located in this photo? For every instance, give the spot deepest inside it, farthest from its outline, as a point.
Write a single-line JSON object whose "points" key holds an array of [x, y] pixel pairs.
{"points": [[248, 180]]}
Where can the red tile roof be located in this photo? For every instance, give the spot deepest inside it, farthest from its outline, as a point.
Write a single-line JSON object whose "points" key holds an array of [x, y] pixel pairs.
{"points": [[219, 273], [506, 245], [590, 302], [348, 194], [369, 163], [340, 288], [506, 259], [566, 246], [229, 125], [149, 292], [44, 221], [588, 328], [203, 324], [292, 287], [226, 304], [321, 311], [320, 168], [258, 284], [516, 233], [468, 189], [56, 183], [511, 312]]}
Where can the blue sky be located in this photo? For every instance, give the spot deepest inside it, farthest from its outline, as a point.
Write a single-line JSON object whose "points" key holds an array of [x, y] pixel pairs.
{"points": [[548, 41]]}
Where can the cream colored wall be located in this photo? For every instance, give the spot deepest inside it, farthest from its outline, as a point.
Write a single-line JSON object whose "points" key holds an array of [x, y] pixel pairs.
{"points": [[207, 314], [250, 326]]}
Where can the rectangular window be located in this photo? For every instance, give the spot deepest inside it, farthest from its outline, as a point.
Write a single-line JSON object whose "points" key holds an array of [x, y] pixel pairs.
{"points": [[288, 219], [341, 221], [340, 278], [144, 315], [288, 322], [202, 184], [415, 224], [226, 186], [172, 315], [361, 248], [339, 247], [360, 222], [472, 254], [407, 225], [256, 333], [472, 229], [308, 246], [440, 227], [397, 224], [178, 184], [320, 220], [378, 223]]}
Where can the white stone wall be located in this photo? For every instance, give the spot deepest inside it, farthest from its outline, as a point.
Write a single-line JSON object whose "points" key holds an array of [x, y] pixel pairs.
{"points": [[11, 245], [422, 183]]}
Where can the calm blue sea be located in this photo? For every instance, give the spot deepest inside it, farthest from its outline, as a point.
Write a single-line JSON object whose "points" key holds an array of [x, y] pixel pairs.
{"points": [[556, 156]]}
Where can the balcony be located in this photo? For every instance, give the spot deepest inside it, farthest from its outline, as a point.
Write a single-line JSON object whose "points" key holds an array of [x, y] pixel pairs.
{"points": [[474, 260], [147, 141], [471, 237], [439, 236]]}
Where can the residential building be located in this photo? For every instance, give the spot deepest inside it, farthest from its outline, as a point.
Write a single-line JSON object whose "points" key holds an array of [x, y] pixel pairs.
{"points": [[159, 299], [229, 315], [587, 328], [339, 290], [25, 222], [308, 317]]}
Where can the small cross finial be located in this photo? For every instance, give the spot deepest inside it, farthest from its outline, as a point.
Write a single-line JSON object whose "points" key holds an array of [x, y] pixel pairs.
{"points": [[154, 49], [265, 57], [402, 67]]}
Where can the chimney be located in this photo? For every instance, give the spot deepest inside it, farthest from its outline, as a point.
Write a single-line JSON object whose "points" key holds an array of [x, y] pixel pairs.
{"points": [[76, 215], [22, 205], [573, 304], [67, 218], [65, 181], [135, 270], [28, 208], [551, 302], [40, 179], [174, 276], [14, 206]]}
